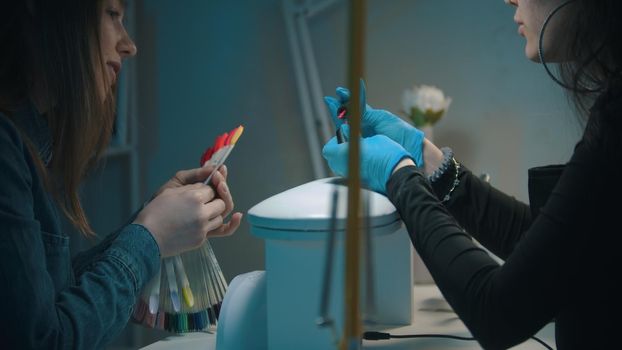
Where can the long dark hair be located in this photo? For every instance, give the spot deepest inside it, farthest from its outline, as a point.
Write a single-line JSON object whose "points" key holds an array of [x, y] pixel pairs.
{"points": [[56, 44], [595, 71]]}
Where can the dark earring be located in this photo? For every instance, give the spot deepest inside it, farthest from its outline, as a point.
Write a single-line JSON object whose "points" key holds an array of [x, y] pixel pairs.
{"points": [[541, 51]]}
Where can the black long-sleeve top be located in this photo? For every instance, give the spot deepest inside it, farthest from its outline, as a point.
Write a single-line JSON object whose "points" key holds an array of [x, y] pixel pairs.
{"points": [[561, 260]]}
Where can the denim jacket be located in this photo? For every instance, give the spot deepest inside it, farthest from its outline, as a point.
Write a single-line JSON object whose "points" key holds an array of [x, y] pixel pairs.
{"points": [[46, 300]]}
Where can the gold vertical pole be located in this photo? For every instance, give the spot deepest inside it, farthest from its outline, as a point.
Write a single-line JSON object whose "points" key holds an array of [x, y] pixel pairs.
{"points": [[352, 327]]}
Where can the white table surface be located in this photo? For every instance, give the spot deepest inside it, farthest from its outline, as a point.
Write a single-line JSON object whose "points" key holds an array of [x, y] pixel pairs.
{"points": [[425, 320]]}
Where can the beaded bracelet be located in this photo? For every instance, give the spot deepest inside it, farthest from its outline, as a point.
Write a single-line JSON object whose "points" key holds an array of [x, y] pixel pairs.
{"points": [[455, 183], [448, 156]]}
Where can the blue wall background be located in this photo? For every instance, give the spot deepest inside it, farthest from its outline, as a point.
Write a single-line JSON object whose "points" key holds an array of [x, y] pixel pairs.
{"points": [[208, 66], [205, 67], [219, 64]]}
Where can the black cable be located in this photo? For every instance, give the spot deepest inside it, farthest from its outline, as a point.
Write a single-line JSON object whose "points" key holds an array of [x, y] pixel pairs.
{"points": [[384, 336], [542, 342]]}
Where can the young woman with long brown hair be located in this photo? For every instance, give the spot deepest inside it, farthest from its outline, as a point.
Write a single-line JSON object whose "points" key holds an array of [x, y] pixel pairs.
{"points": [[58, 67]]}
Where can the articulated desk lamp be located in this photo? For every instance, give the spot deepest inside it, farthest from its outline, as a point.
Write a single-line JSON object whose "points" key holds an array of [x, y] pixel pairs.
{"points": [[308, 276]]}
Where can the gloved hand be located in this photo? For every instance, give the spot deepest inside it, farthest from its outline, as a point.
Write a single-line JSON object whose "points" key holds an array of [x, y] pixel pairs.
{"points": [[379, 156], [378, 121]]}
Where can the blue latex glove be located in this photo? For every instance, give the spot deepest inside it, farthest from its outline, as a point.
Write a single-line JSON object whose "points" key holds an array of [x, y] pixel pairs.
{"points": [[378, 121], [379, 156]]}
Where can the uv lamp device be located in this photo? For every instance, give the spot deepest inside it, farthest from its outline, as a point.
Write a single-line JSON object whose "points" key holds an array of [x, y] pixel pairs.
{"points": [[295, 226], [242, 319]]}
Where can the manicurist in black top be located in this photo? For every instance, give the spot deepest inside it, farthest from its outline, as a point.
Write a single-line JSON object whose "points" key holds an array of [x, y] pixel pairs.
{"points": [[569, 230]]}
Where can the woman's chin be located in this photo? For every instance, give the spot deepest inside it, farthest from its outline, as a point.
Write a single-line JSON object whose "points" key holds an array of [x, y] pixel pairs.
{"points": [[532, 54]]}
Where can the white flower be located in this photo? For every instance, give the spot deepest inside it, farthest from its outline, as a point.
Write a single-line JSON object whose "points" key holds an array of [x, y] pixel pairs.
{"points": [[428, 99]]}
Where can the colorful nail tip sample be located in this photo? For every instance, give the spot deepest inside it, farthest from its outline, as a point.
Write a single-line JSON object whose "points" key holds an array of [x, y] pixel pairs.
{"points": [[197, 311], [196, 273]]}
